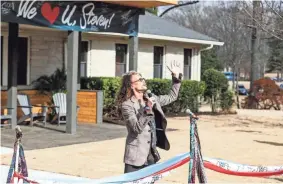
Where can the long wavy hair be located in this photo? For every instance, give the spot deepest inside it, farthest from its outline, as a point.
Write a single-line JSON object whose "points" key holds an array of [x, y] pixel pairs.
{"points": [[125, 91]]}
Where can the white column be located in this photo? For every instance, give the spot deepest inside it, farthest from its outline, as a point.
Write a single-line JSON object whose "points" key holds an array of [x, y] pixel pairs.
{"points": [[198, 73], [196, 65]]}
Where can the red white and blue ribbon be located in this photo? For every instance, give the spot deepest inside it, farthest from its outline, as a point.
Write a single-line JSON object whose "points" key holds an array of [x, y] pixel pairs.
{"points": [[150, 174]]}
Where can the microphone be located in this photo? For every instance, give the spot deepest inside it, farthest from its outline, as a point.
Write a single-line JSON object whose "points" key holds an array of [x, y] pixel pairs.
{"points": [[148, 93], [189, 112]]}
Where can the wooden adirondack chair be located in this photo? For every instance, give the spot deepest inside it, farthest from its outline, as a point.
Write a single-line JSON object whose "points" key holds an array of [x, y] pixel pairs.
{"points": [[27, 109], [60, 105], [6, 116]]}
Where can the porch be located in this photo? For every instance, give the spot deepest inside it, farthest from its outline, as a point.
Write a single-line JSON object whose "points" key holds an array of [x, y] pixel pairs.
{"points": [[38, 137], [50, 17]]}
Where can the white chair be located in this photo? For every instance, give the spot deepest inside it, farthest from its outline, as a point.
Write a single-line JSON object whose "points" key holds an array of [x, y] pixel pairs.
{"points": [[27, 107], [60, 105]]}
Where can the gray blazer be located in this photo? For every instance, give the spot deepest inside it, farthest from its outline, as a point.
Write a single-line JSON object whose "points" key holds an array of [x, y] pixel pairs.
{"points": [[139, 136]]}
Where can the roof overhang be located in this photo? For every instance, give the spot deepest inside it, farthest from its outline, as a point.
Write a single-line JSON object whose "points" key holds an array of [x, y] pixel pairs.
{"points": [[178, 39], [143, 4], [167, 38]]}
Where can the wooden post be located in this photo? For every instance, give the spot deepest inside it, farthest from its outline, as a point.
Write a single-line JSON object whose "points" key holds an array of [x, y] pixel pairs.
{"points": [[72, 72], [13, 57], [133, 53]]}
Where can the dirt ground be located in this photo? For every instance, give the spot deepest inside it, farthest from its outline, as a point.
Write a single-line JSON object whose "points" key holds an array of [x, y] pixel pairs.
{"points": [[250, 137]]}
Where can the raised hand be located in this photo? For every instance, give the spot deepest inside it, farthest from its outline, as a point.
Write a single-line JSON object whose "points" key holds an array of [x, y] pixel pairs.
{"points": [[175, 69]]}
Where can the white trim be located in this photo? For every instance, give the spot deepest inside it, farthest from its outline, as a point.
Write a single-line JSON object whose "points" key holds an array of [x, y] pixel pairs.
{"points": [[177, 39], [128, 59], [167, 38], [88, 64], [164, 64], [65, 55], [109, 34], [207, 48]]}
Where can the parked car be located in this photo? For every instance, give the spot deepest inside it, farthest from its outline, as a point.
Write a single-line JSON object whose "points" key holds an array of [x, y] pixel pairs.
{"points": [[281, 86], [229, 75], [277, 79], [242, 90]]}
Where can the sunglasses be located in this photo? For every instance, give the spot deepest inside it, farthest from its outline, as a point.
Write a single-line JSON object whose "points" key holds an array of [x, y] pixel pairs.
{"points": [[139, 80]]}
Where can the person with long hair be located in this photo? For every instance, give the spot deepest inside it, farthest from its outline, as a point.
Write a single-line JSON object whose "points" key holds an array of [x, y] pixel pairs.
{"points": [[145, 121]]}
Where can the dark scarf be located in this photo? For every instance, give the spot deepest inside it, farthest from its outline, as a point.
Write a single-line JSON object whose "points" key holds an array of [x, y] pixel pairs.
{"points": [[155, 153]]}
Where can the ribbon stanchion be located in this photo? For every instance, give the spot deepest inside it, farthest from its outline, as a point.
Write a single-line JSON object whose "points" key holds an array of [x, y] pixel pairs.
{"points": [[196, 164], [18, 170]]}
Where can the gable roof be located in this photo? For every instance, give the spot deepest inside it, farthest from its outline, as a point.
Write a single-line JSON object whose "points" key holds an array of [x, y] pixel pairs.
{"points": [[154, 25]]}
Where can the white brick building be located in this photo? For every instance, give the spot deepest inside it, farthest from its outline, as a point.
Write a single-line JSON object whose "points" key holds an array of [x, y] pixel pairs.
{"points": [[42, 50]]}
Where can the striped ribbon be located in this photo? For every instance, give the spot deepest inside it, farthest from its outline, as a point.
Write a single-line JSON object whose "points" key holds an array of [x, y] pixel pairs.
{"points": [[196, 164], [154, 172]]}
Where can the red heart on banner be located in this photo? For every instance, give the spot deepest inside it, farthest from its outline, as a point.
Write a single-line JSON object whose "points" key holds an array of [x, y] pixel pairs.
{"points": [[48, 13]]}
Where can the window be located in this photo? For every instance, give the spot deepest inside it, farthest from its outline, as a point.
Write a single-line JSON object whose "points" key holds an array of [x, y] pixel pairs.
{"points": [[187, 63], [83, 55], [121, 59], [84, 58], [158, 53]]}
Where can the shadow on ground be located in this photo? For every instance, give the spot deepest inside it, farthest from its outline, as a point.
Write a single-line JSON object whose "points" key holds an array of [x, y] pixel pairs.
{"points": [[278, 179], [249, 131], [38, 137], [270, 143]]}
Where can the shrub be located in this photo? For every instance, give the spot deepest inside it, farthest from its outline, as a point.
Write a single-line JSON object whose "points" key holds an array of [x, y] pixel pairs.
{"points": [[188, 95], [227, 100], [265, 94], [53, 83], [216, 83]]}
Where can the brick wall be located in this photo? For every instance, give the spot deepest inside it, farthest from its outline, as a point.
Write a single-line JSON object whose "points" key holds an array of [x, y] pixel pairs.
{"points": [[46, 52]]}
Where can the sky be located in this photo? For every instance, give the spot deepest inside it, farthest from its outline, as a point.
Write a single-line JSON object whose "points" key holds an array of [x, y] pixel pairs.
{"points": [[162, 8], [204, 2]]}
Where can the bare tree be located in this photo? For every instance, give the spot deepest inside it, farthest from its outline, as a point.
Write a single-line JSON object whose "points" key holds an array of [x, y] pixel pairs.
{"points": [[245, 29], [264, 16]]}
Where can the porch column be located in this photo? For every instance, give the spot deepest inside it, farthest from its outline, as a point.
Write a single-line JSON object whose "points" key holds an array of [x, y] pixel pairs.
{"points": [[72, 72], [133, 53], [195, 65], [13, 58], [79, 61]]}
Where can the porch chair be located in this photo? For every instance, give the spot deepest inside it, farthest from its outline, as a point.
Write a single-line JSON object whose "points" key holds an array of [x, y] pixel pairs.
{"points": [[27, 109], [7, 116], [60, 105]]}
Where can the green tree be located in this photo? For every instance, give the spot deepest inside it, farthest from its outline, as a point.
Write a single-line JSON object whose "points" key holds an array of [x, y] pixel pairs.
{"points": [[209, 60], [216, 85], [275, 62]]}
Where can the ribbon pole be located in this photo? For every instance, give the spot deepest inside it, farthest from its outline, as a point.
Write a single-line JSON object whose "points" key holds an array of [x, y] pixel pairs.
{"points": [[196, 163]]}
